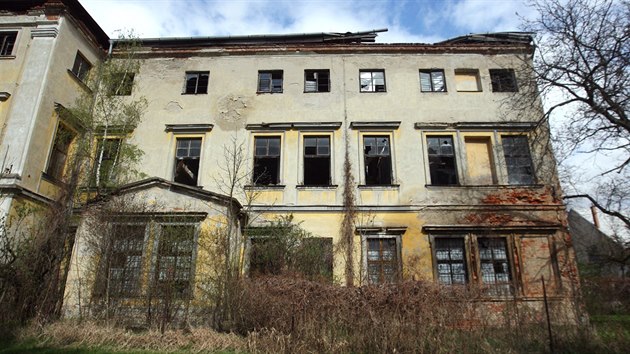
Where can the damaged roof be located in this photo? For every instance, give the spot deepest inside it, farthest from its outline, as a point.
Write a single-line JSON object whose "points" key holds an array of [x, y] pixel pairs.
{"points": [[496, 37]]}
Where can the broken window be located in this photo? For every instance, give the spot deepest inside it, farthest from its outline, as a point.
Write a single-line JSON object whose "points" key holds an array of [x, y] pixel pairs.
{"points": [[174, 266], [196, 82], [125, 260], [7, 42], [267, 160], [187, 161], [432, 81], [518, 159], [442, 160], [59, 154], [372, 80], [479, 164], [270, 81], [121, 84], [494, 265], [81, 67], [503, 80], [109, 148], [450, 259], [316, 160], [316, 80], [382, 260], [467, 80], [378, 160]]}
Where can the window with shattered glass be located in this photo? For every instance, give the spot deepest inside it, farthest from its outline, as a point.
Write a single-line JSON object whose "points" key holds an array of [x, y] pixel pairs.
{"points": [[372, 80], [450, 259], [432, 81], [382, 260], [187, 161]]}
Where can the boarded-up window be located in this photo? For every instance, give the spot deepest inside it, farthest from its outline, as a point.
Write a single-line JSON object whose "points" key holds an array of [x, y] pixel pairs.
{"points": [[467, 80], [479, 164], [432, 81], [267, 160], [450, 259], [442, 160], [382, 260], [537, 263], [518, 159]]}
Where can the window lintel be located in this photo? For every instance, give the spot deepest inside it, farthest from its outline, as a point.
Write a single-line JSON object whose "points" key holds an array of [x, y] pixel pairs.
{"points": [[502, 126], [188, 128], [389, 231], [548, 228], [294, 126], [389, 125]]}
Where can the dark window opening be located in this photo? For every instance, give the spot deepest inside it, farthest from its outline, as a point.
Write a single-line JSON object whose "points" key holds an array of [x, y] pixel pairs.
{"points": [[372, 80], [174, 266], [450, 259], [122, 84], [316, 81], [432, 81], [442, 160], [382, 260], [270, 81], [110, 148], [494, 265], [503, 80], [197, 82], [59, 154], [267, 161], [317, 161], [7, 42], [518, 159], [187, 161], [81, 67], [378, 161], [125, 260]]}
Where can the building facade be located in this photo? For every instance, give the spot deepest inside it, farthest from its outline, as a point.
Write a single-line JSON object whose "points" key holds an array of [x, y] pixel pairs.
{"points": [[415, 144]]}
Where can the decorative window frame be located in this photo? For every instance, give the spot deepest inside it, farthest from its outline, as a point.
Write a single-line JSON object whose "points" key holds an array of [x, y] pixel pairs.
{"points": [[374, 129], [380, 232]]}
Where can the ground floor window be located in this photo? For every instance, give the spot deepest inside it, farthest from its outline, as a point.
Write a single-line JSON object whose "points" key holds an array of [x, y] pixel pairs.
{"points": [[383, 262]]}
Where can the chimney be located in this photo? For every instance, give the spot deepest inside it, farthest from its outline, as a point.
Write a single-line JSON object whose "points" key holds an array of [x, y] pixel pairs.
{"points": [[595, 217]]}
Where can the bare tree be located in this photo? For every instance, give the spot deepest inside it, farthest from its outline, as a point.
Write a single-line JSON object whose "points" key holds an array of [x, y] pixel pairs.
{"points": [[581, 69]]}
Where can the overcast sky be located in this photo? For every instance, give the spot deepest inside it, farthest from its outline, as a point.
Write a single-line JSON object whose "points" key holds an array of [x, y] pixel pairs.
{"points": [[418, 21]]}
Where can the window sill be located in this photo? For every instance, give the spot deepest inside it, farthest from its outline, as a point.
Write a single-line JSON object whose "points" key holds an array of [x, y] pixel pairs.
{"points": [[379, 186], [194, 93], [7, 57], [303, 186], [270, 186], [470, 91], [267, 92], [52, 179], [79, 81], [372, 91], [316, 91]]}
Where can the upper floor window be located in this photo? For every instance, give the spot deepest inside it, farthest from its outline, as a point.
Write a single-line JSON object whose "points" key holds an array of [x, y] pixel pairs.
{"points": [[442, 165], [266, 160], [187, 161], [316, 80], [121, 84], [59, 154], [503, 80], [107, 152], [196, 82], [383, 263], [518, 159], [372, 80], [81, 67], [270, 81], [317, 160], [432, 80], [7, 42], [378, 160], [467, 80]]}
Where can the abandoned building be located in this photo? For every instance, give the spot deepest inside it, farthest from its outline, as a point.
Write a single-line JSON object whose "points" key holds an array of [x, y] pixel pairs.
{"points": [[444, 183]]}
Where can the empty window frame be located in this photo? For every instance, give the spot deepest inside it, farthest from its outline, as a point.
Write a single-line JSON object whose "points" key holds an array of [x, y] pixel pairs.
{"points": [[107, 152], [450, 260], [81, 67], [432, 80], [173, 275], [316, 80], [59, 154], [266, 160], [124, 266], [467, 80], [196, 82], [377, 160], [121, 84], [382, 260], [518, 159], [503, 80], [442, 166], [317, 161], [372, 80], [7, 42], [187, 156], [494, 265], [270, 81]]}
